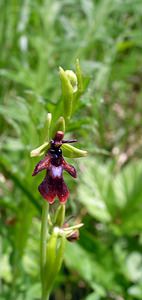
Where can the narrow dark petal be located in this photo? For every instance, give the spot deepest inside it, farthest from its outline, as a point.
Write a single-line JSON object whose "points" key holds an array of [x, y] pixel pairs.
{"points": [[69, 168], [42, 165], [47, 189], [69, 141]]}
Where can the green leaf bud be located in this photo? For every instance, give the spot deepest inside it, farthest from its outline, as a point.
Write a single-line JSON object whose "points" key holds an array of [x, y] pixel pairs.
{"points": [[67, 94], [72, 78]]}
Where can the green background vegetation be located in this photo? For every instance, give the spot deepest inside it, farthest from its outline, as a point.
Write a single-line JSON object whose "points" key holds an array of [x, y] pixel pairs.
{"points": [[37, 37]]}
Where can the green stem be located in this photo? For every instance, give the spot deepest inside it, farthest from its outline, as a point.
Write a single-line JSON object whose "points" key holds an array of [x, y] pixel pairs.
{"points": [[45, 296], [43, 241], [44, 230]]}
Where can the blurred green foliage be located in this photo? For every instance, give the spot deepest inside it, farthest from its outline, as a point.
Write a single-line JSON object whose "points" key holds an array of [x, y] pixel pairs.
{"points": [[37, 37]]}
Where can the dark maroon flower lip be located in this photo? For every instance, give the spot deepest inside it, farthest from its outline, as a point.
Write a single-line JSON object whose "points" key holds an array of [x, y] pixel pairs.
{"points": [[51, 188], [53, 184]]}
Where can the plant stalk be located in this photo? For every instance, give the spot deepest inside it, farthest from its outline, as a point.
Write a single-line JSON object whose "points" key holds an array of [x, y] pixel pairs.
{"points": [[45, 296], [43, 241]]}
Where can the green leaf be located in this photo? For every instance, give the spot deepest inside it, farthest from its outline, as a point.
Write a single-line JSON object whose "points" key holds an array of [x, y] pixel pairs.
{"points": [[134, 266], [89, 269], [91, 190]]}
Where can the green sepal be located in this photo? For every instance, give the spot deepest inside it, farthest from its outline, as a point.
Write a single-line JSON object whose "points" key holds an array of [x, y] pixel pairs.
{"points": [[67, 94], [60, 215], [60, 125], [47, 127], [44, 147], [40, 150], [72, 152]]}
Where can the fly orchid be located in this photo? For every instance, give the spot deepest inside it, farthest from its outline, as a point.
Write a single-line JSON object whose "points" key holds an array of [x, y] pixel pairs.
{"points": [[53, 184]]}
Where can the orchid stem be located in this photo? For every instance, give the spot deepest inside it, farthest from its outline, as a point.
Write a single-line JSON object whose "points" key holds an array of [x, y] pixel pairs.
{"points": [[43, 241], [44, 230], [45, 297]]}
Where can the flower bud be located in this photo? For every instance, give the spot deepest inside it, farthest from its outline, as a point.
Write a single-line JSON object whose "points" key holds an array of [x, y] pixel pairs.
{"points": [[72, 78], [67, 94], [74, 236]]}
